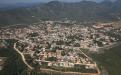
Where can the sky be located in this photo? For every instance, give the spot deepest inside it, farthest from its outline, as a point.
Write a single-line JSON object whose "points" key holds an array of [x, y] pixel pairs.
{"points": [[30, 1]]}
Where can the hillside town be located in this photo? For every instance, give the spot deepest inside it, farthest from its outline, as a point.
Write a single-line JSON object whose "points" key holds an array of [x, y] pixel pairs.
{"points": [[52, 44]]}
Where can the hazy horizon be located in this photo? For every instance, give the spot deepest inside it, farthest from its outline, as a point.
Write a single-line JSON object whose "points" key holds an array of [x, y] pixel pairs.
{"points": [[34, 1]]}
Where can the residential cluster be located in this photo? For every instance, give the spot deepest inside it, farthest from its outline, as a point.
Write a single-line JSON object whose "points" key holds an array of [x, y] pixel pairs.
{"points": [[60, 44]]}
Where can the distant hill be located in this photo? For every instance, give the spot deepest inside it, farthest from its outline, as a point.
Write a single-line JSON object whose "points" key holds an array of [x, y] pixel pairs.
{"points": [[81, 11]]}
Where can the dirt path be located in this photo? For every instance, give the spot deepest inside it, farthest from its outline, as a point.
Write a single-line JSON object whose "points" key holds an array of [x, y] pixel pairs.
{"points": [[23, 58]]}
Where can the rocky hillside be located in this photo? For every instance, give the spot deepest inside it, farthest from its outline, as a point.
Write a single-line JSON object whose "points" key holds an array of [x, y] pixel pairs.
{"points": [[55, 10]]}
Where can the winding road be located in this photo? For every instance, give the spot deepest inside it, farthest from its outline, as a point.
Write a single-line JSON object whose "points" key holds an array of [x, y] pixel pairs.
{"points": [[23, 58]]}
